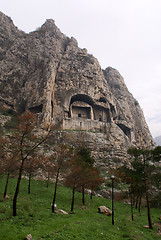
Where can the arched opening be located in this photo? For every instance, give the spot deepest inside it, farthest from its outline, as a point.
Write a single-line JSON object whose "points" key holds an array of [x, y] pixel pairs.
{"points": [[102, 114], [85, 114], [82, 98], [81, 110], [81, 106], [113, 111]]}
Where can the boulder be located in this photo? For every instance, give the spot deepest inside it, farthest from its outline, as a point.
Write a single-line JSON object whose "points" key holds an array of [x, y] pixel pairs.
{"points": [[104, 210], [28, 237], [61, 211], [146, 226]]}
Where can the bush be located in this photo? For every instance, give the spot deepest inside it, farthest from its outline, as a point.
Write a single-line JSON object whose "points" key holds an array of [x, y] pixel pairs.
{"points": [[12, 123], [8, 112]]}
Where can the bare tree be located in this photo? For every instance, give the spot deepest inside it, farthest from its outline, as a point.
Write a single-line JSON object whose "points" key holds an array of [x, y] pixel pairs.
{"points": [[24, 142], [74, 180], [8, 160], [48, 169], [62, 154], [32, 165]]}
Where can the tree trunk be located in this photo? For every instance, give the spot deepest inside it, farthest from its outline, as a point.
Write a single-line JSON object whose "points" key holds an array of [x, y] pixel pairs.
{"points": [[17, 190], [139, 205], [132, 216], [47, 183], [55, 190], [73, 193], [147, 196], [112, 202], [29, 184], [136, 202], [148, 206], [5, 191], [83, 195], [91, 194]]}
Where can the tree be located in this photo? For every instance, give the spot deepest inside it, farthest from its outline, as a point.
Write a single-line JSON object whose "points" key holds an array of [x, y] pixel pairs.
{"points": [[31, 166], [2, 141], [24, 142], [8, 160], [95, 181], [126, 175], [136, 176], [83, 158], [156, 177], [140, 175], [82, 174], [10, 166], [48, 169], [73, 180], [62, 154]]}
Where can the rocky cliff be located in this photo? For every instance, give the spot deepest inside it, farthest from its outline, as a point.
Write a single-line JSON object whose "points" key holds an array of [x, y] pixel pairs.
{"points": [[46, 72]]}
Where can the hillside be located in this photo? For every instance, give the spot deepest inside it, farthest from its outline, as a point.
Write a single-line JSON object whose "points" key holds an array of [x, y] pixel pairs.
{"points": [[35, 217]]}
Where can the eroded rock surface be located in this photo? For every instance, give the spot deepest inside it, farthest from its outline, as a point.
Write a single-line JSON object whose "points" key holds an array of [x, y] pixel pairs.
{"points": [[46, 72]]}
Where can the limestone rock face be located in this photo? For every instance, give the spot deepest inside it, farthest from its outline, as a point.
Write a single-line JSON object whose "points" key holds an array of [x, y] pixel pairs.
{"points": [[46, 72]]}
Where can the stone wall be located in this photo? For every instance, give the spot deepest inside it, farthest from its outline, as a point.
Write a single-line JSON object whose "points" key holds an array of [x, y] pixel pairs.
{"points": [[84, 124]]}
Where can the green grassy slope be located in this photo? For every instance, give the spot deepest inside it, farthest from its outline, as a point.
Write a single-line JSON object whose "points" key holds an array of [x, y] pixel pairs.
{"points": [[35, 217]]}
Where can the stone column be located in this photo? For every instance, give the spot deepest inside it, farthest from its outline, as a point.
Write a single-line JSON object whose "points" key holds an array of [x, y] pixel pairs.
{"points": [[91, 113]]}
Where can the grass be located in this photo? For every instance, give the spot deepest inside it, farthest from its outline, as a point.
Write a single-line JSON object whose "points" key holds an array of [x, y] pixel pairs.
{"points": [[35, 217]]}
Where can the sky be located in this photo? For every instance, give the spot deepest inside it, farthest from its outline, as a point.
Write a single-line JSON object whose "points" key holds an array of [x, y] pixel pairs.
{"points": [[123, 34]]}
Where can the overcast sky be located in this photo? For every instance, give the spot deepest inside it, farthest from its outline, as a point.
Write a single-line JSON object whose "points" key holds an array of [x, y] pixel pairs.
{"points": [[124, 34]]}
